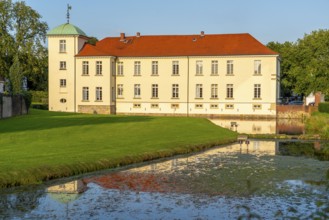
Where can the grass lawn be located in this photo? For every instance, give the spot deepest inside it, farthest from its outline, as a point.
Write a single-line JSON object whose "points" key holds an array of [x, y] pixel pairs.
{"points": [[45, 145]]}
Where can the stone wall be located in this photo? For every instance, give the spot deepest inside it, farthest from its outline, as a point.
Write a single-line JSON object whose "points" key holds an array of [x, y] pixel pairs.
{"points": [[12, 106], [96, 109], [294, 111]]}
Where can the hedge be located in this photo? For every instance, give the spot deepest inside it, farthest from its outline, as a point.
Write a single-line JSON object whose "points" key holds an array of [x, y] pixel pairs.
{"points": [[39, 97], [324, 107]]}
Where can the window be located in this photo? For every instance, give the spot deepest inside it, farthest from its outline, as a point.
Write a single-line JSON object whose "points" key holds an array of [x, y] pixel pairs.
{"points": [[62, 83], [213, 105], [229, 67], [257, 67], [154, 105], [85, 93], [120, 68], [85, 68], [214, 91], [175, 67], [175, 91], [62, 65], [174, 106], [257, 91], [99, 68], [62, 46], [155, 90], [120, 90], [198, 106], [137, 105], [229, 91], [154, 68], [199, 67], [137, 91], [198, 91], [62, 100], [229, 106], [99, 94], [257, 106], [214, 67], [137, 69]]}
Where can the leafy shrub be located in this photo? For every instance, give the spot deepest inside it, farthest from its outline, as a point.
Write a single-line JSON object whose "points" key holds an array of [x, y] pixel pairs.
{"points": [[324, 107], [27, 98], [40, 97]]}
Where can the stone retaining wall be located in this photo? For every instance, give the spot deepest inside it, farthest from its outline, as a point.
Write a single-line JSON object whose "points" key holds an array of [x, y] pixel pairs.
{"points": [[12, 106]]}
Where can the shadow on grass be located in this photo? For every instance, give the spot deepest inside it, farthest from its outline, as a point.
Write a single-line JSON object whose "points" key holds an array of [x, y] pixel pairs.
{"points": [[42, 120]]}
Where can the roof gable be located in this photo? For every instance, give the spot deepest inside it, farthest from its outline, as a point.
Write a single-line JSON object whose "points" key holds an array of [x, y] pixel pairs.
{"points": [[178, 45]]}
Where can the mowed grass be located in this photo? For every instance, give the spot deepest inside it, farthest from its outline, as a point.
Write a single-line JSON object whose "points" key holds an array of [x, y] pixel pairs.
{"points": [[46, 145]]}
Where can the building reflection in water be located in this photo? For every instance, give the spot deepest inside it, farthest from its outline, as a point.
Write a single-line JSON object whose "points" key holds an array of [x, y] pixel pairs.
{"points": [[254, 147], [280, 126]]}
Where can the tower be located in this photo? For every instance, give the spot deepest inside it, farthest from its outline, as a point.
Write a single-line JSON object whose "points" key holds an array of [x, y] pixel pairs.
{"points": [[64, 42]]}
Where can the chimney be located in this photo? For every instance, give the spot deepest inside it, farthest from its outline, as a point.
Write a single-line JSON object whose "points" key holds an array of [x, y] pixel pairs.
{"points": [[122, 36], [202, 34], [138, 34]]}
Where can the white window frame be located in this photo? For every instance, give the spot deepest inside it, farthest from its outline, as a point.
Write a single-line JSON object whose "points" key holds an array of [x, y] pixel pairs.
{"points": [[257, 91], [230, 67], [229, 91], [155, 91], [120, 90], [62, 65], [85, 93], [175, 68], [62, 83], [199, 91], [85, 68], [199, 67], [99, 93], [214, 91], [175, 91], [214, 67], [120, 69], [155, 68], [137, 90], [62, 46], [137, 68], [257, 67], [99, 68]]}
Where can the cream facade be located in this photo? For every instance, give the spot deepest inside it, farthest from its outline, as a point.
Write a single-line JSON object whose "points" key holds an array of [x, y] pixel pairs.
{"points": [[190, 85]]}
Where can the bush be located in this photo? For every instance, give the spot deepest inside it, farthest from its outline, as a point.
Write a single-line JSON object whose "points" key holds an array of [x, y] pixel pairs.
{"points": [[27, 98], [39, 97], [324, 107]]}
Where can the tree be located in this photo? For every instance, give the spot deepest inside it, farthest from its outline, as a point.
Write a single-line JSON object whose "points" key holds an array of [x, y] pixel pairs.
{"points": [[22, 43], [286, 51], [305, 64], [311, 68]]}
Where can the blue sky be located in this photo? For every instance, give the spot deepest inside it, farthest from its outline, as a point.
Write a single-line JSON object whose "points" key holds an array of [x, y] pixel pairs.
{"points": [[266, 20]]}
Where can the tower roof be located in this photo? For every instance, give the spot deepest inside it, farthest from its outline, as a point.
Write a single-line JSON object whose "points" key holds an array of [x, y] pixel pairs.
{"points": [[66, 29]]}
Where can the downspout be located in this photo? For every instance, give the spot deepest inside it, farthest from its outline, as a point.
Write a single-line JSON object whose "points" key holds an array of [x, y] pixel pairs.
{"points": [[188, 86]]}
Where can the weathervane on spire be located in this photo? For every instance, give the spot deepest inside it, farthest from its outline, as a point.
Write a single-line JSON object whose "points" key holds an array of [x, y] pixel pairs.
{"points": [[69, 7]]}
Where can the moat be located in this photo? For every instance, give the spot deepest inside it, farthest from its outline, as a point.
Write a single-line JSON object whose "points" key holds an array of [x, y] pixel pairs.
{"points": [[267, 179]]}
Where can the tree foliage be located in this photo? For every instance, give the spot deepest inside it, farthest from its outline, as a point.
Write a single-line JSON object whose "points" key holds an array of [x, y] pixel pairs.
{"points": [[22, 38], [305, 64]]}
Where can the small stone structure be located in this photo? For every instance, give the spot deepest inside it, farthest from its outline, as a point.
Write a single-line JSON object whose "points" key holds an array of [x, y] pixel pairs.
{"points": [[12, 106]]}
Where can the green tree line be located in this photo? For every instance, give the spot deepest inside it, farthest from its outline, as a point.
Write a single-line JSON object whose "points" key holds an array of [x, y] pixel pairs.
{"points": [[304, 64], [22, 50]]}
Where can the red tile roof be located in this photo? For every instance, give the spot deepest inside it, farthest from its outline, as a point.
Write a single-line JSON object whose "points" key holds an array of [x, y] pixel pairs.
{"points": [[177, 45]]}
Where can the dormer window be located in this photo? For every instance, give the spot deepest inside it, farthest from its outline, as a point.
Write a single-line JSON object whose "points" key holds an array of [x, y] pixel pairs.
{"points": [[62, 46]]}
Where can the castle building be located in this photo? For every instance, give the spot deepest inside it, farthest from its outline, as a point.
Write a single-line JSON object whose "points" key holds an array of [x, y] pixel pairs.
{"points": [[213, 75]]}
